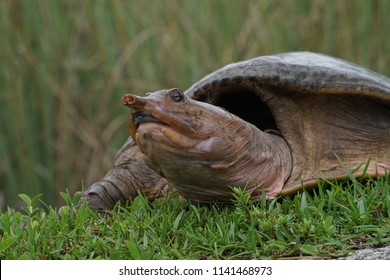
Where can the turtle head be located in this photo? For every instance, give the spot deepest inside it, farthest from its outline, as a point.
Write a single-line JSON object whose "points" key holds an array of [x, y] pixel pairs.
{"points": [[168, 120]]}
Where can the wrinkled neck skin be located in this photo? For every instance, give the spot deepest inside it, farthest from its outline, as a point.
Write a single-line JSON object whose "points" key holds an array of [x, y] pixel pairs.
{"points": [[203, 150]]}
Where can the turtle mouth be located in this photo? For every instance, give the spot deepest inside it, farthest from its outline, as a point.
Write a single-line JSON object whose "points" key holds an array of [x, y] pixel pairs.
{"points": [[163, 132], [140, 117]]}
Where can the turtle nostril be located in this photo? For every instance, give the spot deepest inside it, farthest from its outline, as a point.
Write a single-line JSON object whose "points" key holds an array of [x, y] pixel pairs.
{"points": [[133, 101], [128, 99]]}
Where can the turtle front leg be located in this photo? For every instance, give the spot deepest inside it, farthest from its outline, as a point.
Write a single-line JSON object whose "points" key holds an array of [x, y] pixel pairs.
{"points": [[129, 177]]}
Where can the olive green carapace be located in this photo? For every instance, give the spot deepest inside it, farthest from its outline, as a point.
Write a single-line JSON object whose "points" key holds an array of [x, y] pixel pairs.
{"points": [[275, 123]]}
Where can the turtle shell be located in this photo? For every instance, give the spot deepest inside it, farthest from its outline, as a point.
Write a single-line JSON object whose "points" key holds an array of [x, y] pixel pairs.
{"points": [[334, 115]]}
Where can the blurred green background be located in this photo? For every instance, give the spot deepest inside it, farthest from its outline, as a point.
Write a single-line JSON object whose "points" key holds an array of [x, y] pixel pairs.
{"points": [[66, 64]]}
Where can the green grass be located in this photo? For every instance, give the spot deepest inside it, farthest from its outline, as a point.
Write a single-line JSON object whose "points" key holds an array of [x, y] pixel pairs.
{"points": [[330, 221], [66, 64]]}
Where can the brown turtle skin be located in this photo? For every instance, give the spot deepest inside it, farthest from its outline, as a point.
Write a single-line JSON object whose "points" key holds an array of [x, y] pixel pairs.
{"points": [[333, 116]]}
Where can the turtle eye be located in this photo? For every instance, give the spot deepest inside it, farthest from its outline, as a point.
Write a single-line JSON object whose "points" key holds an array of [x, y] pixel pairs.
{"points": [[176, 95]]}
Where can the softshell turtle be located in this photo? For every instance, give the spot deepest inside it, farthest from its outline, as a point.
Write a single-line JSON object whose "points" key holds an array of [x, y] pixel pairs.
{"points": [[276, 123]]}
